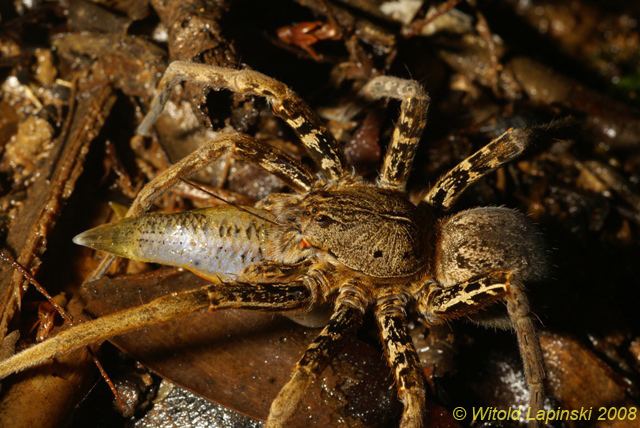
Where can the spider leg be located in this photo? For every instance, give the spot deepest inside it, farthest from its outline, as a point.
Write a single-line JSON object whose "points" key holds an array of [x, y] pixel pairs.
{"points": [[285, 104], [503, 149], [529, 344], [264, 297], [244, 147], [401, 356], [438, 304], [349, 309], [408, 130]]}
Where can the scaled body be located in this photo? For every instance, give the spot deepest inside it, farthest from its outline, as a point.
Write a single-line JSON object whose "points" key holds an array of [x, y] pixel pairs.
{"points": [[216, 243]]}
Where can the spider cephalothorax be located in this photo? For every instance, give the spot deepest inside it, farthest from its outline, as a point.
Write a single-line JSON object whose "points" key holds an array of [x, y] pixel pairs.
{"points": [[335, 239], [377, 232]]}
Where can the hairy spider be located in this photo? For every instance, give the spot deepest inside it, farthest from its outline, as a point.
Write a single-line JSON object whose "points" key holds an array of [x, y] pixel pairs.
{"points": [[337, 240]]}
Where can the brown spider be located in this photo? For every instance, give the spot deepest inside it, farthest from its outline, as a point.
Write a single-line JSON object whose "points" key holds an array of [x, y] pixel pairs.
{"points": [[336, 241]]}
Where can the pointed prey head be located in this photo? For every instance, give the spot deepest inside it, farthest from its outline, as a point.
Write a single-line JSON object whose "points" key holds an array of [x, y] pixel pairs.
{"points": [[114, 238]]}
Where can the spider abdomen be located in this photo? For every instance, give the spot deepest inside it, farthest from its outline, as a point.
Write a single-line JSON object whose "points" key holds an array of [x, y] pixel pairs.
{"points": [[479, 241]]}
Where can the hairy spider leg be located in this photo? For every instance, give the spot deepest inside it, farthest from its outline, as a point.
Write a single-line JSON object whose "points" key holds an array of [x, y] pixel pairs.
{"points": [[401, 355], [499, 151], [244, 147], [529, 344], [265, 297], [438, 304], [408, 130], [286, 104], [349, 309]]}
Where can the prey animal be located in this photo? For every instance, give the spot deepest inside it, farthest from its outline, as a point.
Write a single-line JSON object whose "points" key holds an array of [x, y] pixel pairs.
{"points": [[334, 242]]}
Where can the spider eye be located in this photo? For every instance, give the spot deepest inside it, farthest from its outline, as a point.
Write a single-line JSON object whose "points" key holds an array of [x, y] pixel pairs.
{"points": [[324, 220]]}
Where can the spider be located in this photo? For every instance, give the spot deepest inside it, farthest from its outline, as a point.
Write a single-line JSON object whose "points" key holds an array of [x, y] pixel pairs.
{"points": [[333, 248]]}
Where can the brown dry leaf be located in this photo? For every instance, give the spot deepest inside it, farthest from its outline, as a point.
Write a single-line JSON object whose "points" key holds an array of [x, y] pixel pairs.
{"points": [[577, 378], [46, 396]]}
